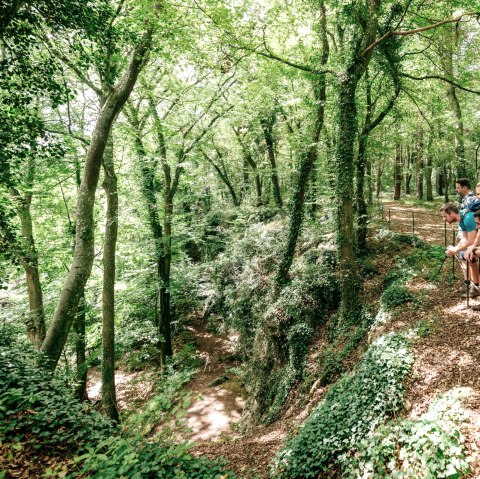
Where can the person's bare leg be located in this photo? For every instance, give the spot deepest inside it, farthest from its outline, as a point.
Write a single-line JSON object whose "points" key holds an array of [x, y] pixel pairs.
{"points": [[474, 272]]}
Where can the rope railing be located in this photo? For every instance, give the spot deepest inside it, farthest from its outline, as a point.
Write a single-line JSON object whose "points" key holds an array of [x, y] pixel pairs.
{"points": [[412, 217]]}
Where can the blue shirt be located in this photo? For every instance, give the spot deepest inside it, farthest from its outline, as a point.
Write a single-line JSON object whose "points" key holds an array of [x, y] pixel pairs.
{"points": [[467, 222]]}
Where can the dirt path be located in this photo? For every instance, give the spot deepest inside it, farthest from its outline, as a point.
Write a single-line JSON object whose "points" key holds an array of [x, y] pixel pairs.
{"points": [[214, 409]]}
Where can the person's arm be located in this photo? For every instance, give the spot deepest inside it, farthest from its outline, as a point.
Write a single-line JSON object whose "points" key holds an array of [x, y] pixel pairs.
{"points": [[469, 253], [467, 240]]}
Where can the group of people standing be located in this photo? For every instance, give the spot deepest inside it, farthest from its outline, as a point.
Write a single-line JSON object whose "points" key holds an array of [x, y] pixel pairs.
{"points": [[467, 247]]}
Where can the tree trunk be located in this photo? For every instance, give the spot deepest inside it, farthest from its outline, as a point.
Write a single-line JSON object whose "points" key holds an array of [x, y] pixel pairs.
{"points": [[109, 399], [306, 165], [80, 355], [79, 272], [428, 171], [378, 183], [456, 111], [408, 174], [313, 191], [397, 173], [28, 257], [248, 159], [369, 125], [446, 175], [223, 175], [350, 309], [368, 165], [440, 181], [267, 127], [164, 317], [420, 165]]}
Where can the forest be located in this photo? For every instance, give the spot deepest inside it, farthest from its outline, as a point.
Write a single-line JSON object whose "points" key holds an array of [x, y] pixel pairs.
{"points": [[222, 254]]}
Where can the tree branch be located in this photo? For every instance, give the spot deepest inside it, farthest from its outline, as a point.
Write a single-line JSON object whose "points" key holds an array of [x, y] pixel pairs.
{"points": [[392, 33], [438, 77]]}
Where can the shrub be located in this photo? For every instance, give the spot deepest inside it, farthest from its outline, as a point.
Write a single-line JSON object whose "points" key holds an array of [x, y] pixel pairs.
{"points": [[35, 408], [428, 447], [395, 295], [353, 408], [299, 338], [118, 457]]}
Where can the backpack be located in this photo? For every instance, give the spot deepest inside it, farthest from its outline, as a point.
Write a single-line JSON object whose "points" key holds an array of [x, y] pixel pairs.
{"points": [[470, 203]]}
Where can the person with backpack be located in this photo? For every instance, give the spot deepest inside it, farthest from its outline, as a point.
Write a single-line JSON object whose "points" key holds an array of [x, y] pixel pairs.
{"points": [[467, 233], [468, 200], [476, 216]]}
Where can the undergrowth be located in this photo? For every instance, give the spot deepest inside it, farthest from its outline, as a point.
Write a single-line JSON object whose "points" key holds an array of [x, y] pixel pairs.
{"points": [[353, 407], [40, 418]]}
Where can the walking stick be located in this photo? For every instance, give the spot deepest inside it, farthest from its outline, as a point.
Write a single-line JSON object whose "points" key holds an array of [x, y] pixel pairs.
{"points": [[441, 267], [468, 283]]}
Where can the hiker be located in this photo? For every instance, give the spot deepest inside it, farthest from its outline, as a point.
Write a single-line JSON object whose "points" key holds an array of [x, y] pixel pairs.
{"points": [[463, 188], [476, 243], [467, 234], [208, 362]]}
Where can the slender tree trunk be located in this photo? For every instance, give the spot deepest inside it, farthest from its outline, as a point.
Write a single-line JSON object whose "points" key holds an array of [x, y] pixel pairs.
{"points": [[440, 181], [79, 272], [164, 291], [109, 399], [313, 191], [459, 132], [248, 159], [81, 367], [28, 257], [397, 173], [456, 111], [80, 354], [267, 127], [223, 175], [368, 165], [420, 165], [369, 125], [408, 174], [306, 165], [428, 171], [245, 178], [378, 183], [446, 175], [170, 188]]}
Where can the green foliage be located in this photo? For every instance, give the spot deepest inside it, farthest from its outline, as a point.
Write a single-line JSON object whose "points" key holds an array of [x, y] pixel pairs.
{"points": [[402, 240], [302, 305], [429, 447], [169, 400], [331, 360], [353, 407], [138, 344], [422, 261], [277, 392], [118, 457], [396, 295], [299, 338], [37, 409], [369, 269]]}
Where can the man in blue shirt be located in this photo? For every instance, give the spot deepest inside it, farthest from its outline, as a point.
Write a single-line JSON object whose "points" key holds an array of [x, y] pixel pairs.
{"points": [[467, 231]]}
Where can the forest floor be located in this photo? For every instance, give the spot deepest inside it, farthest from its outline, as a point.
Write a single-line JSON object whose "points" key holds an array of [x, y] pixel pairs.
{"points": [[446, 356]]}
